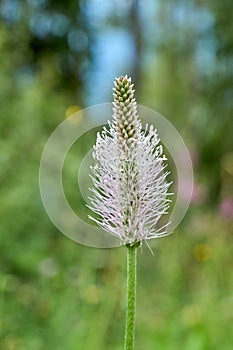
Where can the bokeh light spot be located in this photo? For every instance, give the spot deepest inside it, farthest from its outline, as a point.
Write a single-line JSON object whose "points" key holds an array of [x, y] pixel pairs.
{"points": [[72, 110], [93, 294], [202, 252]]}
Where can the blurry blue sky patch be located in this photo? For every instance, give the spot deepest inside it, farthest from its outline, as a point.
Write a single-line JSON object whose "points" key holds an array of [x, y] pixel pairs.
{"points": [[10, 10], [77, 40], [42, 24], [114, 52]]}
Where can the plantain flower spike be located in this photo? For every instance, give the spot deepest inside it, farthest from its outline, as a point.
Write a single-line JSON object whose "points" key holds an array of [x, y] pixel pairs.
{"points": [[130, 190]]}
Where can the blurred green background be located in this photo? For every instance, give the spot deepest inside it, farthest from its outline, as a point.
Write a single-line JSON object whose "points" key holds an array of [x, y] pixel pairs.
{"points": [[58, 57]]}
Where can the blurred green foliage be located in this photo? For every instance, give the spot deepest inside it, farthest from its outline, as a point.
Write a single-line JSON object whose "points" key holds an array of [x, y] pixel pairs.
{"points": [[55, 294]]}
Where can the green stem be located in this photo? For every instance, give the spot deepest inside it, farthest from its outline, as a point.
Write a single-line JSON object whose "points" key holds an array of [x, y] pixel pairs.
{"points": [[131, 296]]}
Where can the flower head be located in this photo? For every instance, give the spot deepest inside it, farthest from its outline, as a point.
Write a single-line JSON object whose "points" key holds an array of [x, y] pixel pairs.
{"points": [[130, 188]]}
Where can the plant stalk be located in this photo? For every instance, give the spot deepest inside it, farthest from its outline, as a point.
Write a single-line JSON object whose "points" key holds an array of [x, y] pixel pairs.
{"points": [[130, 296]]}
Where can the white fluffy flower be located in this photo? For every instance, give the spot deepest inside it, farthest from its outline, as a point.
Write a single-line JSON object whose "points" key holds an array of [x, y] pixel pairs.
{"points": [[130, 188]]}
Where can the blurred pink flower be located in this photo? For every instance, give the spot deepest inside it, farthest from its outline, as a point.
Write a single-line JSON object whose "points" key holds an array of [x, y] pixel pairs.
{"points": [[199, 193], [226, 208]]}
